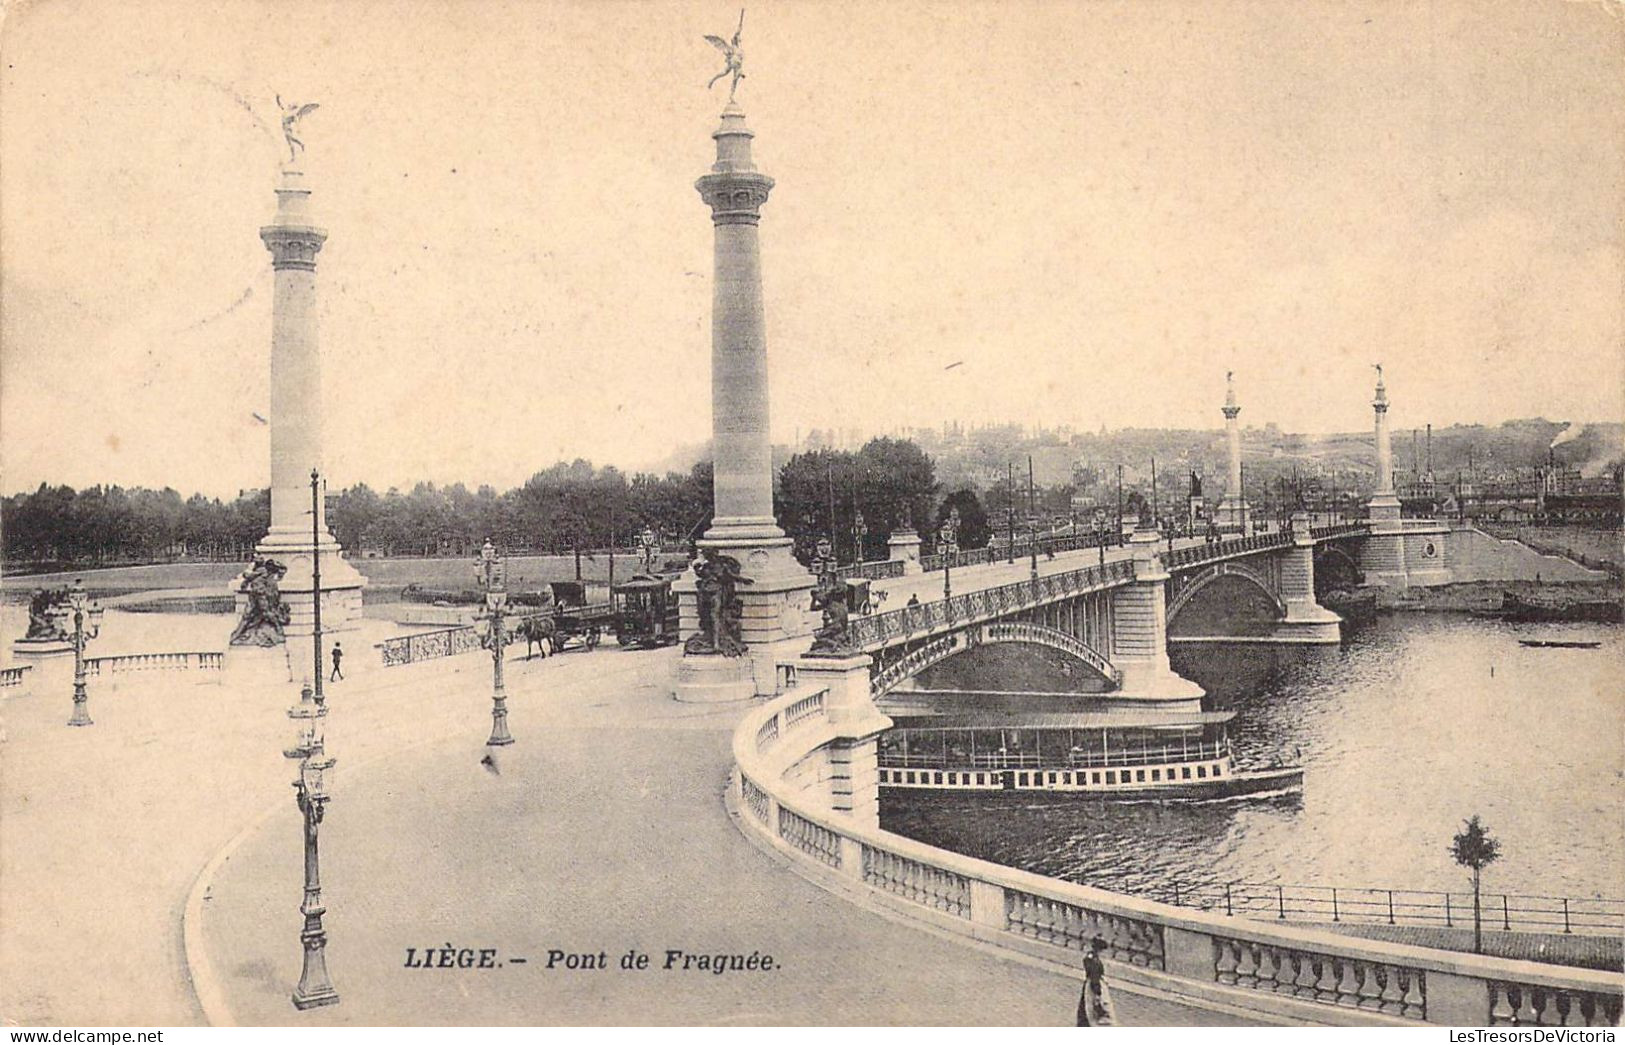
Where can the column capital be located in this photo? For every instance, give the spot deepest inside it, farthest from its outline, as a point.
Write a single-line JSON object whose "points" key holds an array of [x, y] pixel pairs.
{"points": [[1230, 410], [735, 197], [293, 246]]}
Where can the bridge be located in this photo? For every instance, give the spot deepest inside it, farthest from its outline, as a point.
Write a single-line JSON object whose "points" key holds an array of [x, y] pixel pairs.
{"points": [[1107, 610]]}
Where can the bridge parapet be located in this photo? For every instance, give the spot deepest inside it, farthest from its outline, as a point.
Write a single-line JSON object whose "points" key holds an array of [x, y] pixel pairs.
{"points": [[1262, 970], [880, 630], [1336, 530], [1185, 558]]}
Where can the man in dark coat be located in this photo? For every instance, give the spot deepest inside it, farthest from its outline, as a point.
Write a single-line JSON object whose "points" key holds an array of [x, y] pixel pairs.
{"points": [[1092, 1001]]}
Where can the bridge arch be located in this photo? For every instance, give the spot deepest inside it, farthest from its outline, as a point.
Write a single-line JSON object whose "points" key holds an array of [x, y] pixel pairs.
{"points": [[940, 648], [1227, 568]]}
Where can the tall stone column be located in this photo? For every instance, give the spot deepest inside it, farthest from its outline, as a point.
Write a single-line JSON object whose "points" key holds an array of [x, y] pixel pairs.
{"points": [[296, 431], [776, 603], [1382, 556], [1233, 508], [1139, 644]]}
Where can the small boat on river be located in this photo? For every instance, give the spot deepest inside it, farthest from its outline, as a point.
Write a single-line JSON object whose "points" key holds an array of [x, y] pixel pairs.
{"points": [[1557, 644], [1117, 754]]}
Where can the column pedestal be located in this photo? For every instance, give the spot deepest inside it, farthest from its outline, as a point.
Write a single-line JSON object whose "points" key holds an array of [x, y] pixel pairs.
{"points": [[1382, 555], [904, 546]]}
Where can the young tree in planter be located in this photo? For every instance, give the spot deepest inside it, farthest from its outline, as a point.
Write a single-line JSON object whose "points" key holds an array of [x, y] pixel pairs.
{"points": [[1474, 848]]}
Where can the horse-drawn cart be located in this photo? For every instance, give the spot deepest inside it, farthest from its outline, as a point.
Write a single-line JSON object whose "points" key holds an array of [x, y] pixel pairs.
{"points": [[645, 611]]}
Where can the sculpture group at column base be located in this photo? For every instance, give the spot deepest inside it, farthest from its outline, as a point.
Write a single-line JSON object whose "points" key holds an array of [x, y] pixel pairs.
{"points": [[775, 621]]}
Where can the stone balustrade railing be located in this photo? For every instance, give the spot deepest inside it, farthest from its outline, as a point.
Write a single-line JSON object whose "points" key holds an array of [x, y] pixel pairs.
{"points": [[1278, 973], [14, 677], [884, 629], [130, 662]]}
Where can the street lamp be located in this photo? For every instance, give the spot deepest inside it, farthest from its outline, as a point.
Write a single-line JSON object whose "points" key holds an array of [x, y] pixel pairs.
{"points": [[87, 624], [948, 542], [488, 625], [310, 794], [1100, 534]]}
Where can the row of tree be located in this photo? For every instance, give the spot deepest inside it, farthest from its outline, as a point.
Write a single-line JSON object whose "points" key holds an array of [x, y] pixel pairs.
{"points": [[860, 498]]}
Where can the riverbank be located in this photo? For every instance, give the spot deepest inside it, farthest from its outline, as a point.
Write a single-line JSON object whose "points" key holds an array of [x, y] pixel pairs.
{"points": [[1486, 596]]}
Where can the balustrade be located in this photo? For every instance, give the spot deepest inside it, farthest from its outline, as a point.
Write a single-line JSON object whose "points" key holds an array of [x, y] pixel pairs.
{"points": [[805, 708], [1526, 1005], [816, 841], [10, 677], [917, 882], [1352, 976], [1328, 979], [118, 665], [1074, 927], [755, 798]]}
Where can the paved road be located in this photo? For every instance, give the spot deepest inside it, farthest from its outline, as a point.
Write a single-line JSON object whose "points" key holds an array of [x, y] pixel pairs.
{"points": [[604, 833], [928, 586], [105, 828]]}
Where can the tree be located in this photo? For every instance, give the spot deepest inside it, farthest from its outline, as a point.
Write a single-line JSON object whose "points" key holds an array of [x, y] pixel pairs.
{"points": [[974, 531], [1474, 848]]}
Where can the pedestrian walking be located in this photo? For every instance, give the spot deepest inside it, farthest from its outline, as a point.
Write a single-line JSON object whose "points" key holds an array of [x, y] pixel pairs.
{"points": [[1092, 1002], [338, 657]]}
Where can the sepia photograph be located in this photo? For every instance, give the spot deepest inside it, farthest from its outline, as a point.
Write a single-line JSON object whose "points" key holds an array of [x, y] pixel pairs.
{"points": [[893, 514]]}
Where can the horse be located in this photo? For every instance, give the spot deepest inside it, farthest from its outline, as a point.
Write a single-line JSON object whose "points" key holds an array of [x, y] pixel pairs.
{"points": [[538, 632]]}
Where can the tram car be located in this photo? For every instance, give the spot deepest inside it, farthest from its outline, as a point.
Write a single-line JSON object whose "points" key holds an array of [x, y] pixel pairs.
{"points": [[574, 618], [645, 612]]}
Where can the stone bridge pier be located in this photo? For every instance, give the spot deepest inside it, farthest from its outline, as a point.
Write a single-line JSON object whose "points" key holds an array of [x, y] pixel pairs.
{"points": [[1140, 634], [1305, 620]]}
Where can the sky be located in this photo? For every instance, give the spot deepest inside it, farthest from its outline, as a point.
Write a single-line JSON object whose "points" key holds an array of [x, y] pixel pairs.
{"points": [[1096, 209]]}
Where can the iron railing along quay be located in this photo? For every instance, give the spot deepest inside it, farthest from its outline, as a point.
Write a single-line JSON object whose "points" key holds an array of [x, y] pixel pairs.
{"points": [[883, 629], [1508, 912]]}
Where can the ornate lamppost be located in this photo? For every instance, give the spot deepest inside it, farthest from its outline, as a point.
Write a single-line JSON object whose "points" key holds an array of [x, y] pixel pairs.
{"points": [[1100, 534], [310, 794], [87, 624], [488, 625], [860, 530], [948, 544]]}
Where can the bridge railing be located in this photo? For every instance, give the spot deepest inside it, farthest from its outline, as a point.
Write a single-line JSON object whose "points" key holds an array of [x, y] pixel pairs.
{"points": [[1046, 546], [14, 676], [880, 569], [1200, 553], [1204, 958], [1336, 530], [1508, 912], [882, 629], [446, 642]]}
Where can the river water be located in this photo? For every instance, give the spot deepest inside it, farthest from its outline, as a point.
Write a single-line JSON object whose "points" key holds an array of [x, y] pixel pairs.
{"points": [[1415, 723]]}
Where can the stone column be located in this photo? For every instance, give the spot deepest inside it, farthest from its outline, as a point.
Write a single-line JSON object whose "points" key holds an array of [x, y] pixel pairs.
{"points": [[1139, 643], [1233, 508], [1382, 556], [1306, 620], [296, 430], [776, 602]]}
